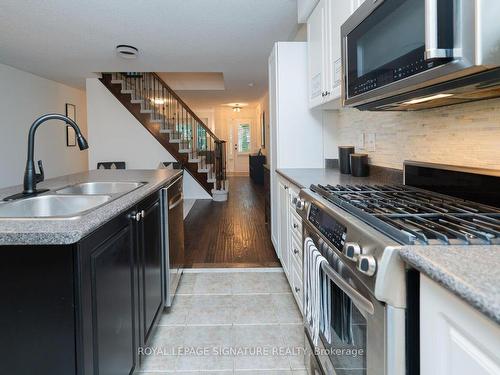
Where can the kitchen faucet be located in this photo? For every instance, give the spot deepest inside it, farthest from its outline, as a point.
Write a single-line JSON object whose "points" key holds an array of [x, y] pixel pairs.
{"points": [[31, 178]]}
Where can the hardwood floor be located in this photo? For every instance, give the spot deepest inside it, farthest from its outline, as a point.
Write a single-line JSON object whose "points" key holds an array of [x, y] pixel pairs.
{"points": [[232, 233]]}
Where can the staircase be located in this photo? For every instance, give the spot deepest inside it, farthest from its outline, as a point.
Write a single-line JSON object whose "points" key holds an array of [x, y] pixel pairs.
{"points": [[174, 125]]}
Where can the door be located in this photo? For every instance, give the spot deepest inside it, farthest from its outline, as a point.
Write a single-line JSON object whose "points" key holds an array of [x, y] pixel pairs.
{"points": [[112, 304], [151, 270], [241, 139]]}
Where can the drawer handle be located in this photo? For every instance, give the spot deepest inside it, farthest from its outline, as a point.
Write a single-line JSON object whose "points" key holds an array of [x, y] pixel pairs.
{"points": [[295, 251], [297, 289]]}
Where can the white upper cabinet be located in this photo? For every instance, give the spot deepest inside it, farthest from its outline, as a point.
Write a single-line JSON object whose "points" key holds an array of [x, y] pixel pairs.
{"points": [[339, 11], [324, 43], [316, 41]]}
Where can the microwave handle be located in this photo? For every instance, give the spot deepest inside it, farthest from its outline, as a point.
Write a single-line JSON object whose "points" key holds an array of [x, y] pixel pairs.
{"points": [[432, 50], [359, 300]]}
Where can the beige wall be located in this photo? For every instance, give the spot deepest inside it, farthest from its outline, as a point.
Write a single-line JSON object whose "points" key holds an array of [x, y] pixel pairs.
{"points": [[23, 98], [224, 117], [467, 134]]}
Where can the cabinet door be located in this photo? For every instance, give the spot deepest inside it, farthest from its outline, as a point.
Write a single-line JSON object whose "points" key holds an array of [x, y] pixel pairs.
{"points": [[112, 266], [455, 339], [273, 141], [284, 231], [338, 12], [151, 267], [316, 42]]}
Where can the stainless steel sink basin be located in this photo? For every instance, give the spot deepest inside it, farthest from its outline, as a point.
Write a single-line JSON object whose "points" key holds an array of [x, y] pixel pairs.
{"points": [[51, 206], [97, 188]]}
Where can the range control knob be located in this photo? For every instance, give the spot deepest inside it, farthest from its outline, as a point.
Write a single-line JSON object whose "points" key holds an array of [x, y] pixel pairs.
{"points": [[299, 204], [352, 251], [367, 264]]}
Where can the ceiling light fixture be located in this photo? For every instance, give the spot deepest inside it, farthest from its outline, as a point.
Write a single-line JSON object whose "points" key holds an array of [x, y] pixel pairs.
{"points": [[126, 51], [236, 109], [428, 98]]}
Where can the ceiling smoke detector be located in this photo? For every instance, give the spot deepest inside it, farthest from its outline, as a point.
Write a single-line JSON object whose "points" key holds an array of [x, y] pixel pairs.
{"points": [[126, 51]]}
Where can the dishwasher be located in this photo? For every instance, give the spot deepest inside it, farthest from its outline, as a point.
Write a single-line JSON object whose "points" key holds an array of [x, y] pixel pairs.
{"points": [[172, 239]]}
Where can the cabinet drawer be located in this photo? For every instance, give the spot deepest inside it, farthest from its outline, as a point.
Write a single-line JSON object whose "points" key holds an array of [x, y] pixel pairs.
{"points": [[296, 251], [296, 226], [297, 288]]}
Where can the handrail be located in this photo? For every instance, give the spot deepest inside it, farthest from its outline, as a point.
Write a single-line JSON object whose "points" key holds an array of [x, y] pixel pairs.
{"points": [[174, 94]]}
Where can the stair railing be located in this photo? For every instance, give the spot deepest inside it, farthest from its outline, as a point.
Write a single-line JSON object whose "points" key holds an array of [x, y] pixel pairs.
{"points": [[178, 120]]}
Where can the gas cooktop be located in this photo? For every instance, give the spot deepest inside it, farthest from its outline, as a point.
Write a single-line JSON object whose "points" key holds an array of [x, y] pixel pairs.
{"points": [[415, 216]]}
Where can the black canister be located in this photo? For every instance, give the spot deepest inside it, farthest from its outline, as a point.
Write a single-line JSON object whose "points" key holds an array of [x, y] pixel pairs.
{"points": [[359, 165], [344, 161]]}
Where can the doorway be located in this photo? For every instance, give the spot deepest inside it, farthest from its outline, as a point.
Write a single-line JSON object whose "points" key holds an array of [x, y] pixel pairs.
{"points": [[241, 139]]}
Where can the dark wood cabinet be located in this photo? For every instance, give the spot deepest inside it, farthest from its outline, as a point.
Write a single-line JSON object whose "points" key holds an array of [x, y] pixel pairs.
{"points": [[84, 308], [112, 266], [150, 267]]}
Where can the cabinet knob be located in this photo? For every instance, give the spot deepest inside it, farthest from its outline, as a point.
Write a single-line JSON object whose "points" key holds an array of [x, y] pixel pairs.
{"points": [[297, 289], [136, 216], [295, 251], [295, 226]]}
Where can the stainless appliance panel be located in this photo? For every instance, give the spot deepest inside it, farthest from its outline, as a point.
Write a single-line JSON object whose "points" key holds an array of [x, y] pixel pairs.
{"points": [[173, 238], [364, 351], [475, 48]]}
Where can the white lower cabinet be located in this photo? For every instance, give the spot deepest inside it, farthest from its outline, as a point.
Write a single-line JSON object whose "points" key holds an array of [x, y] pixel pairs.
{"points": [[290, 239], [455, 338]]}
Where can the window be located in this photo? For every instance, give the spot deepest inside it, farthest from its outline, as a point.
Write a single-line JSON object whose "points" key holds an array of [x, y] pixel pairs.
{"points": [[244, 138]]}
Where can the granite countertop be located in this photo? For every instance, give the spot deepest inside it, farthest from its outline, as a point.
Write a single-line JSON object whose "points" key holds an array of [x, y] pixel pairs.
{"points": [[304, 177], [46, 231], [470, 272]]}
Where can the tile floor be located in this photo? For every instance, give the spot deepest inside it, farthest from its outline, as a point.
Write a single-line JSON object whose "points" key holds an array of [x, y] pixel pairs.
{"points": [[229, 323]]}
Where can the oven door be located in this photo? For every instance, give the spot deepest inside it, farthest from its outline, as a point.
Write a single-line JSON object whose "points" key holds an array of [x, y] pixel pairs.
{"points": [[396, 46], [358, 322]]}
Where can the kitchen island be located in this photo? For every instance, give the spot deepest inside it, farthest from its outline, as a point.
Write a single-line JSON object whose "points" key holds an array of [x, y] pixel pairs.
{"points": [[81, 294]]}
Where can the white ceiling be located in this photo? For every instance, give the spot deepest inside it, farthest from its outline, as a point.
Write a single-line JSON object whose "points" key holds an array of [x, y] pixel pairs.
{"points": [[68, 40]]}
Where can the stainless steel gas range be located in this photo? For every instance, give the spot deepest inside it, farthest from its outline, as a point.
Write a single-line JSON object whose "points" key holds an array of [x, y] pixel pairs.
{"points": [[366, 297]]}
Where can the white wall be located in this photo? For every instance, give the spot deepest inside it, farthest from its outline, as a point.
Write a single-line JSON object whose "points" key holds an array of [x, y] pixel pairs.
{"points": [[23, 98], [116, 135], [463, 134]]}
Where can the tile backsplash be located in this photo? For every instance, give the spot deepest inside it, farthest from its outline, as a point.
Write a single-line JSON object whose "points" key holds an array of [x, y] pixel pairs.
{"points": [[467, 134]]}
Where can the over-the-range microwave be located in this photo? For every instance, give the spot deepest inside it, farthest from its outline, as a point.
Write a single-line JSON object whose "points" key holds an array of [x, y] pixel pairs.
{"points": [[414, 54]]}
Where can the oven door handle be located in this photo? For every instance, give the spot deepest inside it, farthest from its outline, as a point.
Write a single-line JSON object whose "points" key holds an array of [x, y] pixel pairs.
{"points": [[359, 300], [432, 50]]}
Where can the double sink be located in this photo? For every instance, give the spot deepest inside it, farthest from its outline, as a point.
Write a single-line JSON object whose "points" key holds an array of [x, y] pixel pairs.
{"points": [[68, 202]]}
